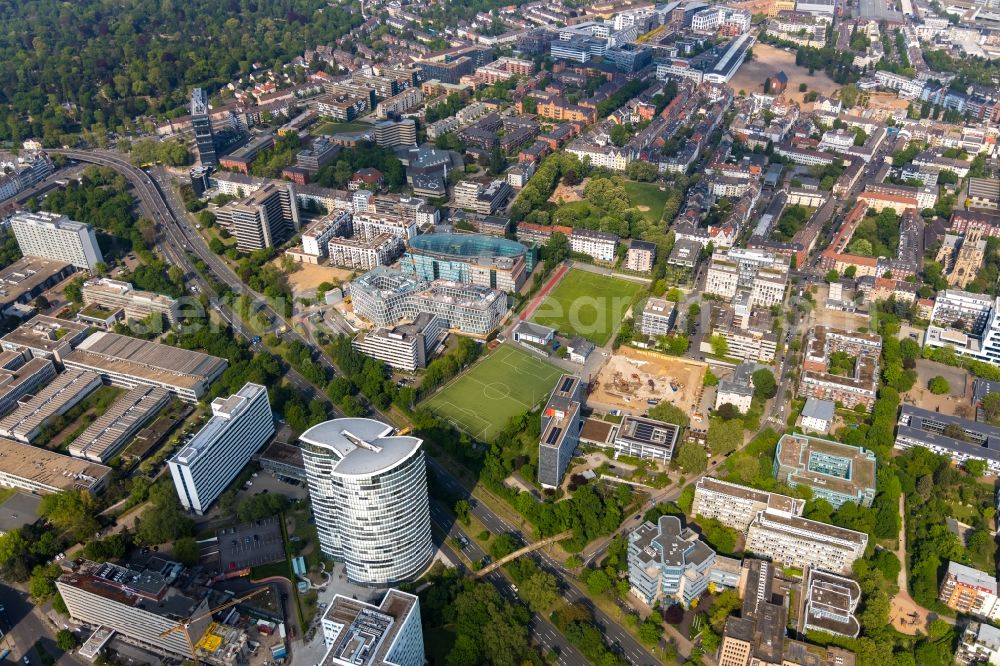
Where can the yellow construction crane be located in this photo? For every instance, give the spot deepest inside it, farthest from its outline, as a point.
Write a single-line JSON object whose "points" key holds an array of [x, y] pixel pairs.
{"points": [[182, 626]]}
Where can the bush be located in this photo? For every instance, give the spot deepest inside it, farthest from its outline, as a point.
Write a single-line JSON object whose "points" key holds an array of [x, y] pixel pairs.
{"points": [[938, 385]]}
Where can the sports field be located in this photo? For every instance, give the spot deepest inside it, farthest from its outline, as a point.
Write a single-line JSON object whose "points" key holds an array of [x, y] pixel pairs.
{"points": [[587, 304], [648, 198], [483, 399]]}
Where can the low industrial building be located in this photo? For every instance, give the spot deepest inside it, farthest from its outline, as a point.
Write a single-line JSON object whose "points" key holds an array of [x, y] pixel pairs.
{"points": [[106, 436], [45, 337], [41, 471], [130, 362], [27, 278], [952, 436], [26, 422]]}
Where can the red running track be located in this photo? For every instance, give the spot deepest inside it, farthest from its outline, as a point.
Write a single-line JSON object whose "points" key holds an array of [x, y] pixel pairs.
{"points": [[537, 300]]}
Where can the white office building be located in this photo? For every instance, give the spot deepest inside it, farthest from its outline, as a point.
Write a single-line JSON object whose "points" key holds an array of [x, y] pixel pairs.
{"points": [[369, 496], [239, 426], [363, 634], [56, 237]]}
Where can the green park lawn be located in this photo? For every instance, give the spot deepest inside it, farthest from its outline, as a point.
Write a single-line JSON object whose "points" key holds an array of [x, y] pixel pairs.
{"points": [[648, 198]]}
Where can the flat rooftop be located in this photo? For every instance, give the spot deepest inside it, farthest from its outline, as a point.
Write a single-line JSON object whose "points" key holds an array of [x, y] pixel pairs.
{"points": [[225, 413], [61, 394], [119, 354], [361, 446], [773, 501], [647, 432], [27, 274], [45, 333], [50, 470], [820, 463], [367, 631]]}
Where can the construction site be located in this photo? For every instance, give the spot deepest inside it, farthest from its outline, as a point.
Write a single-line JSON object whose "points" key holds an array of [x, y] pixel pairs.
{"points": [[634, 380]]}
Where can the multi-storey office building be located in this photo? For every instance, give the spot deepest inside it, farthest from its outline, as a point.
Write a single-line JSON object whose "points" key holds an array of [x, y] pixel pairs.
{"points": [[647, 439], [57, 237], [103, 438], [737, 506], [45, 337], [364, 254], [561, 422], [205, 466], [484, 199], [830, 602], [390, 133], [58, 397], [136, 305], [266, 218], [835, 472], [202, 125], [386, 297], [130, 362], [364, 634], [368, 487], [142, 606], [405, 346], [669, 562], [322, 152], [484, 260], [800, 542]]}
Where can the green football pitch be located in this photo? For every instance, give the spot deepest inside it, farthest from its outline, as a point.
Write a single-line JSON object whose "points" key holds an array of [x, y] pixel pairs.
{"points": [[484, 398], [587, 304]]}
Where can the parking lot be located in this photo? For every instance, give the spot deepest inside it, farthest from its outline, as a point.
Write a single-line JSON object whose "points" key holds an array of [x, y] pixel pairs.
{"points": [[250, 544]]}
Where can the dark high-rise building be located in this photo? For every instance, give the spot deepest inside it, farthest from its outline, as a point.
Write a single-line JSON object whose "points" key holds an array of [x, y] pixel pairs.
{"points": [[202, 125]]}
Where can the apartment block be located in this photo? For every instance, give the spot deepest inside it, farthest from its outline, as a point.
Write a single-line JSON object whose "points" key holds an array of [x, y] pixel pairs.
{"points": [[670, 563], [56, 237], [658, 317], [800, 542], [858, 386], [600, 245], [317, 236], [134, 304], [640, 256], [737, 506], [238, 428], [835, 472], [405, 346], [970, 323], [561, 423], [371, 224], [364, 254], [130, 362], [391, 133], [364, 634], [970, 591], [959, 439]]}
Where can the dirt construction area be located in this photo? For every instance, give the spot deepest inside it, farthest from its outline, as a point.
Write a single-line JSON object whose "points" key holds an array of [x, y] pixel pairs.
{"points": [[956, 402], [567, 194], [310, 276], [632, 377], [769, 60]]}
